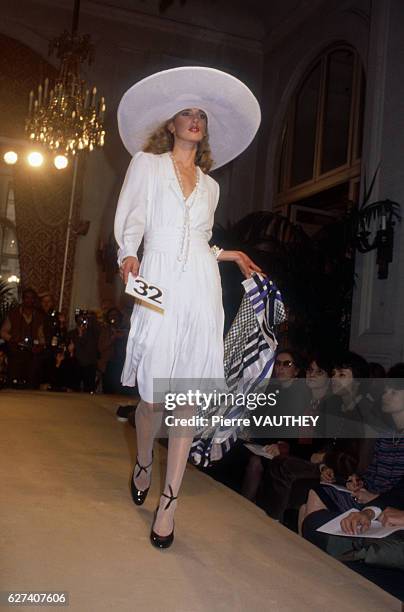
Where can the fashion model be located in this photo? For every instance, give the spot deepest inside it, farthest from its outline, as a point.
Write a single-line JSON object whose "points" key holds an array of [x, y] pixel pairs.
{"points": [[178, 125]]}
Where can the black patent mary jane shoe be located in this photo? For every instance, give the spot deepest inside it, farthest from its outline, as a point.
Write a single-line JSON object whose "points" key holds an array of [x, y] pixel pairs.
{"points": [[138, 496], [163, 541]]}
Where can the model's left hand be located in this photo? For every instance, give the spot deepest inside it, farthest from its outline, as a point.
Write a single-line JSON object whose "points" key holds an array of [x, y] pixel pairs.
{"points": [[246, 265]]}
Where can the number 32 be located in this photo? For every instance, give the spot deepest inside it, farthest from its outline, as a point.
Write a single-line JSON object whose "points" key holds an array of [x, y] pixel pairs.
{"points": [[143, 288]]}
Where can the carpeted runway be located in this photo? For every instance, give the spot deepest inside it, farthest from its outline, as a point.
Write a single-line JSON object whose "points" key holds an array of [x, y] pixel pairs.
{"points": [[68, 524]]}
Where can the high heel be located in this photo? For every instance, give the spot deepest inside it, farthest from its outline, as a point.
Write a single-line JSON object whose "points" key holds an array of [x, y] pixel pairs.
{"points": [[163, 541], [139, 496]]}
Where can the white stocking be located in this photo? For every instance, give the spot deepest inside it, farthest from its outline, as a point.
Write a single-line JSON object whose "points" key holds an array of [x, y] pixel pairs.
{"points": [[148, 419], [179, 444]]}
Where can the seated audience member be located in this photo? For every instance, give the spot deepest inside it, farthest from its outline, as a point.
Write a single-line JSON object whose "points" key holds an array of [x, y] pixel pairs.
{"points": [[239, 469], [348, 418], [288, 368], [352, 423], [306, 454], [387, 507], [85, 341], [377, 374], [23, 332], [386, 468], [112, 347]]}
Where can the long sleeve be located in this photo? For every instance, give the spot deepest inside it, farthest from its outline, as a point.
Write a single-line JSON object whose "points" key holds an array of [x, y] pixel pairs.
{"points": [[130, 215]]}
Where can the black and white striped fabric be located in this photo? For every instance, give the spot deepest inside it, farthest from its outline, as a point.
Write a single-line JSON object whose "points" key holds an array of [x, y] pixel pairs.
{"points": [[249, 355]]}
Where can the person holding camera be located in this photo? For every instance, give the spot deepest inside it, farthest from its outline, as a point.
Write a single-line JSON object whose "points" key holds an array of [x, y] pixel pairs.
{"points": [[63, 374], [54, 327], [112, 348], [23, 332], [84, 339]]}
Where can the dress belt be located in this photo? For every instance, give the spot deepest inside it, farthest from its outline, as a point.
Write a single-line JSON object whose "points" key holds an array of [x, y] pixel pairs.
{"points": [[169, 241]]}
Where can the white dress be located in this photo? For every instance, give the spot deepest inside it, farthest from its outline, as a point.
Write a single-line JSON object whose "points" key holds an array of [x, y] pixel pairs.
{"points": [[186, 342]]}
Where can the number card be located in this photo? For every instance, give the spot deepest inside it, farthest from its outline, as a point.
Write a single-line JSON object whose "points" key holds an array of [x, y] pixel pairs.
{"points": [[142, 290]]}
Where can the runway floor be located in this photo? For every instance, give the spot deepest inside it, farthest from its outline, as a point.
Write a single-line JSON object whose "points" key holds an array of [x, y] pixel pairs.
{"points": [[68, 524]]}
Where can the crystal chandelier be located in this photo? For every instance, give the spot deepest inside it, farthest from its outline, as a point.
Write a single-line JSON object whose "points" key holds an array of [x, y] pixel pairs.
{"points": [[67, 117]]}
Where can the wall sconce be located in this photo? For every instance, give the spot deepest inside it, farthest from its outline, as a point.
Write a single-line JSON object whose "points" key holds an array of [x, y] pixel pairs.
{"points": [[385, 212]]}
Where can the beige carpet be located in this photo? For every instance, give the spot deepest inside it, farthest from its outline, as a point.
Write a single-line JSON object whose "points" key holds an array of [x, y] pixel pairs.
{"points": [[68, 524]]}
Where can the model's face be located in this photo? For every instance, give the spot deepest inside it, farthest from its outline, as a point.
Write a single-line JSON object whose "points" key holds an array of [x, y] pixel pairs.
{"points": [[393, 400], [285, 368], [316, 377], [189, 125], [342, 380]]}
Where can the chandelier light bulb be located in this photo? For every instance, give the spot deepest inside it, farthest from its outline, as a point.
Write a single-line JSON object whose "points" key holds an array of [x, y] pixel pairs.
{"points": [[61, 162], [35, 159], [10, 158], [13, 279]]}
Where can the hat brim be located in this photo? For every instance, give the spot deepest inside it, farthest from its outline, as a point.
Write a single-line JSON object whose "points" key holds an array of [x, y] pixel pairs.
{"points": [[233, 111]]}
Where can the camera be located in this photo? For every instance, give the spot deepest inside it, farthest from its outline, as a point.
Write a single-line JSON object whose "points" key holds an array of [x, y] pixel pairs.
{"points": [[61, 349], [55, 328], [82, 317], [113, 319], [26, 344]]}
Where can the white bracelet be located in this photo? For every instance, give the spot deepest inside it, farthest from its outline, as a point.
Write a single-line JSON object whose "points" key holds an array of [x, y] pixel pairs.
{"points": [[376, 511], [216, 250]]}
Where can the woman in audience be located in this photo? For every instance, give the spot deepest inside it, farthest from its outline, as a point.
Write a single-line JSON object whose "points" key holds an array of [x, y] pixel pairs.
{"points": [[387, 466], [305, 462], [351, 423], [288, 367]]}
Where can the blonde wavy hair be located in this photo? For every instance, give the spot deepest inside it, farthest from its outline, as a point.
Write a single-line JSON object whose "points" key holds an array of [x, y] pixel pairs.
{"points": [[162, 141]]}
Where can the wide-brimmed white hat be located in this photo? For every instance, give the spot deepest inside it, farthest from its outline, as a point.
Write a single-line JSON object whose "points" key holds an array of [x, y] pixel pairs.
{"points": [[233, 111]]}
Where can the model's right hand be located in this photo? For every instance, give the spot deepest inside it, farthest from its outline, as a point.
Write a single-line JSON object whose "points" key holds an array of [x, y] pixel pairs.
{"points": [[129, 265]]}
